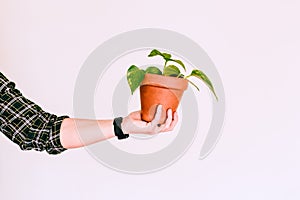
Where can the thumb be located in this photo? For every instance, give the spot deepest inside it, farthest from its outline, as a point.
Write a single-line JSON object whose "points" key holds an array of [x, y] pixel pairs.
{"points": [[157, 116]]}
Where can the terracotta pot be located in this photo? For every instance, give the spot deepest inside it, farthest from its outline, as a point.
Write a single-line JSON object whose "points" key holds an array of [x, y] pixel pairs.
{"points": [[159, 89]]}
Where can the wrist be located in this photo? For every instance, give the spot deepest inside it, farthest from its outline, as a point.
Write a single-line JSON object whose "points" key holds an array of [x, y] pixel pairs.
{"points": [[124, 126]]}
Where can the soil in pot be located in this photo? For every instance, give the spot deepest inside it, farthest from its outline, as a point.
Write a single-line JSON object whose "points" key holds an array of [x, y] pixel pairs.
{"points": [[159, 89]]}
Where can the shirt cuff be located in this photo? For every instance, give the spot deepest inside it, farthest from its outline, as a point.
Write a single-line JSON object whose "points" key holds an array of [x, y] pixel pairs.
{"points": [[53, 144]]}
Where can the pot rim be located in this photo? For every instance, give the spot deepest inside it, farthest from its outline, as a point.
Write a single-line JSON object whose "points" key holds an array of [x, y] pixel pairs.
{"points": [[165, 81]]}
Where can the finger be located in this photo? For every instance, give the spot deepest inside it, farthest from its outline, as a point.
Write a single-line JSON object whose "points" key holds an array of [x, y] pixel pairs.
{"points": [[169, 119], [136, 115], [159, 128], [173, 123], [157, 116]]}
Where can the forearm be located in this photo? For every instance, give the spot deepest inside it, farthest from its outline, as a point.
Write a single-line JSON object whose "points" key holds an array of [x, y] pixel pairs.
{"points": [[26, 124], [76, 133]]}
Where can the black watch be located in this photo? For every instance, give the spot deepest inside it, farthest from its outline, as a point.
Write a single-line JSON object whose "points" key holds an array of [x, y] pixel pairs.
{"points": [[117, 128]]}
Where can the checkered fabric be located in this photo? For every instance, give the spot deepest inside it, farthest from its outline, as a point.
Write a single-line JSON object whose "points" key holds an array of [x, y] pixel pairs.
{"points": [[25, 123]]}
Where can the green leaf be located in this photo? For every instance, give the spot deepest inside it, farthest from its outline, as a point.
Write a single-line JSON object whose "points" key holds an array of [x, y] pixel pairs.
{"points": [[155, 52], [171, 70], [166, 56], [199, 74], [180, 63], [180, 76], [134, 77], [153, 70], [194, 85]]}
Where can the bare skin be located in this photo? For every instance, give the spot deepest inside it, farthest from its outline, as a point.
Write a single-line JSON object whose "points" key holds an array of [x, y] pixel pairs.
{"points": [[75, 133]]}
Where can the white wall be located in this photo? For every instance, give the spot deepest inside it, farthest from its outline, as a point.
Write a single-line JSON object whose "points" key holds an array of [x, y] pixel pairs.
{"points": [[255, 46]]}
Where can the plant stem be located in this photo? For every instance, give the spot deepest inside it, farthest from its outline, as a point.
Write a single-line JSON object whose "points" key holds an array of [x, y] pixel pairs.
{"points": [[165, 64]]}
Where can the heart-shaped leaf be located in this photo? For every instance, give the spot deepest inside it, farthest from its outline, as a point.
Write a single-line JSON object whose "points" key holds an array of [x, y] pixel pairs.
{"points": [[180, 76], [155, 52], [194, 85], [199, 74], [153, 70], [180, 63], [171, 70], [134, 77], [166, 56]]}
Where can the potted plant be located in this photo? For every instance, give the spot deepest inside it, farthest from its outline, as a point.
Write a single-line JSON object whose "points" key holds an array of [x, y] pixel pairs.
{"points": [[164, 87]]}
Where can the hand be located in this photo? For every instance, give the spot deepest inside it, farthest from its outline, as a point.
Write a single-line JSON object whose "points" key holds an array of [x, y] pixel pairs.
{"points": [[134, 124]]}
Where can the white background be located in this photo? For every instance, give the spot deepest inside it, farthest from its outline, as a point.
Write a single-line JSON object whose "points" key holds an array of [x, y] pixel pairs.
{"points": [[255, 46]]}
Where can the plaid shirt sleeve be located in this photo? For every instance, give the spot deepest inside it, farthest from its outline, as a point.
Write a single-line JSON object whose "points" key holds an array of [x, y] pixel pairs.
{"points": [[25, 123]]}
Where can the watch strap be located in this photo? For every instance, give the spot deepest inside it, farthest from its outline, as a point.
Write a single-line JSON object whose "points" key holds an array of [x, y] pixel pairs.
{"points": [[117, 128]]}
